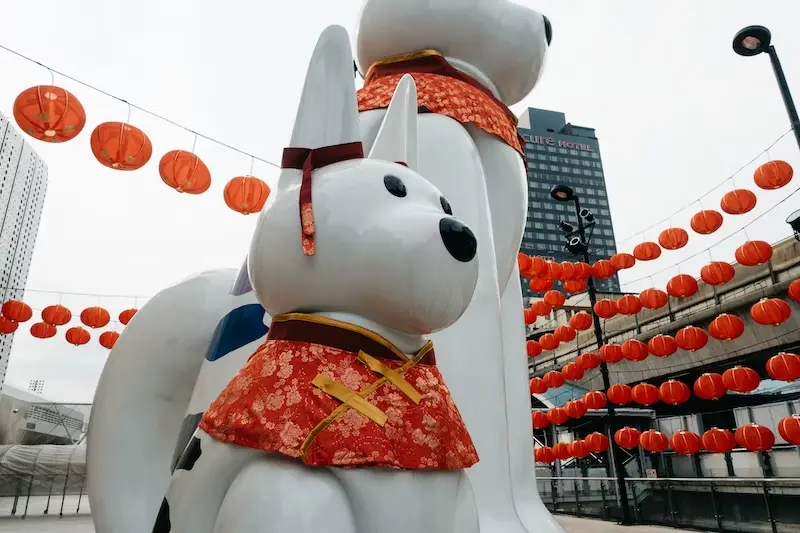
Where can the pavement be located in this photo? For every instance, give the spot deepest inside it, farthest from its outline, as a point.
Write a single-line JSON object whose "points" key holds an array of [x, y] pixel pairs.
{"points": [[83, 524]]}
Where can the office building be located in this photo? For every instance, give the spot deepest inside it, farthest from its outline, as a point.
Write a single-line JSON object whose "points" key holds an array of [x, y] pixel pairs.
{"points": [[23, 184], [557, 152]]}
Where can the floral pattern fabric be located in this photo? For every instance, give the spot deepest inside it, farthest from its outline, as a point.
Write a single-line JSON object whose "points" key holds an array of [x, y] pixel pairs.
{"points": [[272, 405], [448, 96]]}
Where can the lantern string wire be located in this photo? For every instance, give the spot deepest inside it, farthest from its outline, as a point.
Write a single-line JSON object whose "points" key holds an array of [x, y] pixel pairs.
{"points": [[131, 105], [699, 199]]}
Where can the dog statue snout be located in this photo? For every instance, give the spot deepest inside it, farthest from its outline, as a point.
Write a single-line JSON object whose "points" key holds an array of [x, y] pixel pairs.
{"points": [[458, 239]]}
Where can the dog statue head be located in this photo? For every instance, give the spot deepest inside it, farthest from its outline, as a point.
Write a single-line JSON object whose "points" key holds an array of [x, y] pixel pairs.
{"points": [[498, 42], [365, 236]]}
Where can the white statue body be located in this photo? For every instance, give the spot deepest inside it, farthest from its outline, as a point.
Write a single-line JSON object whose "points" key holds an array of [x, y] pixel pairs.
{"points": [[369, 230]]}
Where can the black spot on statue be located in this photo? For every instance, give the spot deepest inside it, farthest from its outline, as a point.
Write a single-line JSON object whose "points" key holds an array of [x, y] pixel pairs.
{"points": [[190, 456], [163, 525], [188, 428]]}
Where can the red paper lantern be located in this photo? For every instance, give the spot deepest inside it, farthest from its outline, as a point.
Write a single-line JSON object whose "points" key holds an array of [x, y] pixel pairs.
{"points": [[553, 379], [605, 308], [575, 408], [127, 315], [610, 353], [770, 312], [619, 394], [794, 290], [184, 172], [557, 415], [653, 441], [95, 317], [540, 284], [561, 451], [726, 327], [43, 330], [579, 449], [539, 420], [647, 251], [627, 437], [634, 350], [682, 286], [77, 336], [572, 371], [706, 222], [789, 429], [718, 440], [741, 379], [673, 238], [17, 310], [537, 386], [120, 146], [568, 271], [653, 298], [541, 308], [581, 321], [108, 339], [717, 273], [662, 346], [565, 333], [753, 253], [528, 316], [554, 298], [622, 261], [56, 315], [533, 348], [544, 454], [710, 386], [588, 361], [685, 442], [574, 286], [691, 338], [583, 271], [246, 194], [549, 342], [674, 392], [7, 326], [554, 270], [773, 175], [524, 264], [597, 442], [594, 399], [50, 114], [603, 269], [738, 202], [539, 268], [754, 437], [784, 367], [645, 394], [629, 305]]}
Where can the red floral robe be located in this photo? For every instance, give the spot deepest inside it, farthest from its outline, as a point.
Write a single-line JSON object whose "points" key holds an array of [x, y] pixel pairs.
{"points": [[442, 89], [318, 390]]}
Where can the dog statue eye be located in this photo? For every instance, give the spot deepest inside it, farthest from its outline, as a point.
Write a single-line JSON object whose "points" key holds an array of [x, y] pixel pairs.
{"points": [[395, 185], [446, 205]]}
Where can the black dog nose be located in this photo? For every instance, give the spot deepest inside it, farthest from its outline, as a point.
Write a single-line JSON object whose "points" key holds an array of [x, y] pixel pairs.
{"points": [[458, 239], [548, 30]]}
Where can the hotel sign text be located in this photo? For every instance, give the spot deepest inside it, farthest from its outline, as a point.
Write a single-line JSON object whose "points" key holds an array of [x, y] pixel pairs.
{"points": [[536, 139]]}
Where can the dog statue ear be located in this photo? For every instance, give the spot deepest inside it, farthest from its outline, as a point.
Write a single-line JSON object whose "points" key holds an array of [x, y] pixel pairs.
{"points": [[328, 112], [397, 137]]}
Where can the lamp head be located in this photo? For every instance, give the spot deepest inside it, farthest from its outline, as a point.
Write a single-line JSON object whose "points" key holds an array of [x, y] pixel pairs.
{"points": [[566, 227], [751, 41], [794, 221], [562, 193]]}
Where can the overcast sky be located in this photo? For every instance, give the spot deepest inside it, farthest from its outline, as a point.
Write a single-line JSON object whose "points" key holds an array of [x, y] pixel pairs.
{"points": [[676, 112]]}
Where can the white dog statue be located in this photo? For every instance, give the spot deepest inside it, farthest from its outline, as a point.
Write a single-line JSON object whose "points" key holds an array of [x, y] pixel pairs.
{"points": [[341, 420]]}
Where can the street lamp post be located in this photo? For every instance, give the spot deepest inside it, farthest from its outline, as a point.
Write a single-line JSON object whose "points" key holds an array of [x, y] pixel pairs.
{"points": [[753, 40], [578, 243]]}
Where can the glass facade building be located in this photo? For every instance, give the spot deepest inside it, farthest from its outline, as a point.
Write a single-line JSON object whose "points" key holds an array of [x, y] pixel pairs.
{"points": [[557, 152]]}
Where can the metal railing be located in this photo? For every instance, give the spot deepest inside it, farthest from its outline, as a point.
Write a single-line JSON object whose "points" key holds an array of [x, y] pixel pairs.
{"points": [[726, 505]]}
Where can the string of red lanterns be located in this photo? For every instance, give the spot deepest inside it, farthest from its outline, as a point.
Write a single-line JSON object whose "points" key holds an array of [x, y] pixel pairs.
{"points": [[15, 312]]}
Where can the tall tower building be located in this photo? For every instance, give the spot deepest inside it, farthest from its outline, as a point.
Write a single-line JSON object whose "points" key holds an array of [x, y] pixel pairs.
{"points": [[557, 152], [23, 184]]}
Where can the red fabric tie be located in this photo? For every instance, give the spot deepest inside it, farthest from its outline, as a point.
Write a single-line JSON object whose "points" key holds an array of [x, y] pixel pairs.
{"points": [[308, 160]]}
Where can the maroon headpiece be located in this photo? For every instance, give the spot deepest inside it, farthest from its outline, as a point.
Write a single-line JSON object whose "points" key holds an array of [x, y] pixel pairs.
{"points": [[308, 160]]}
